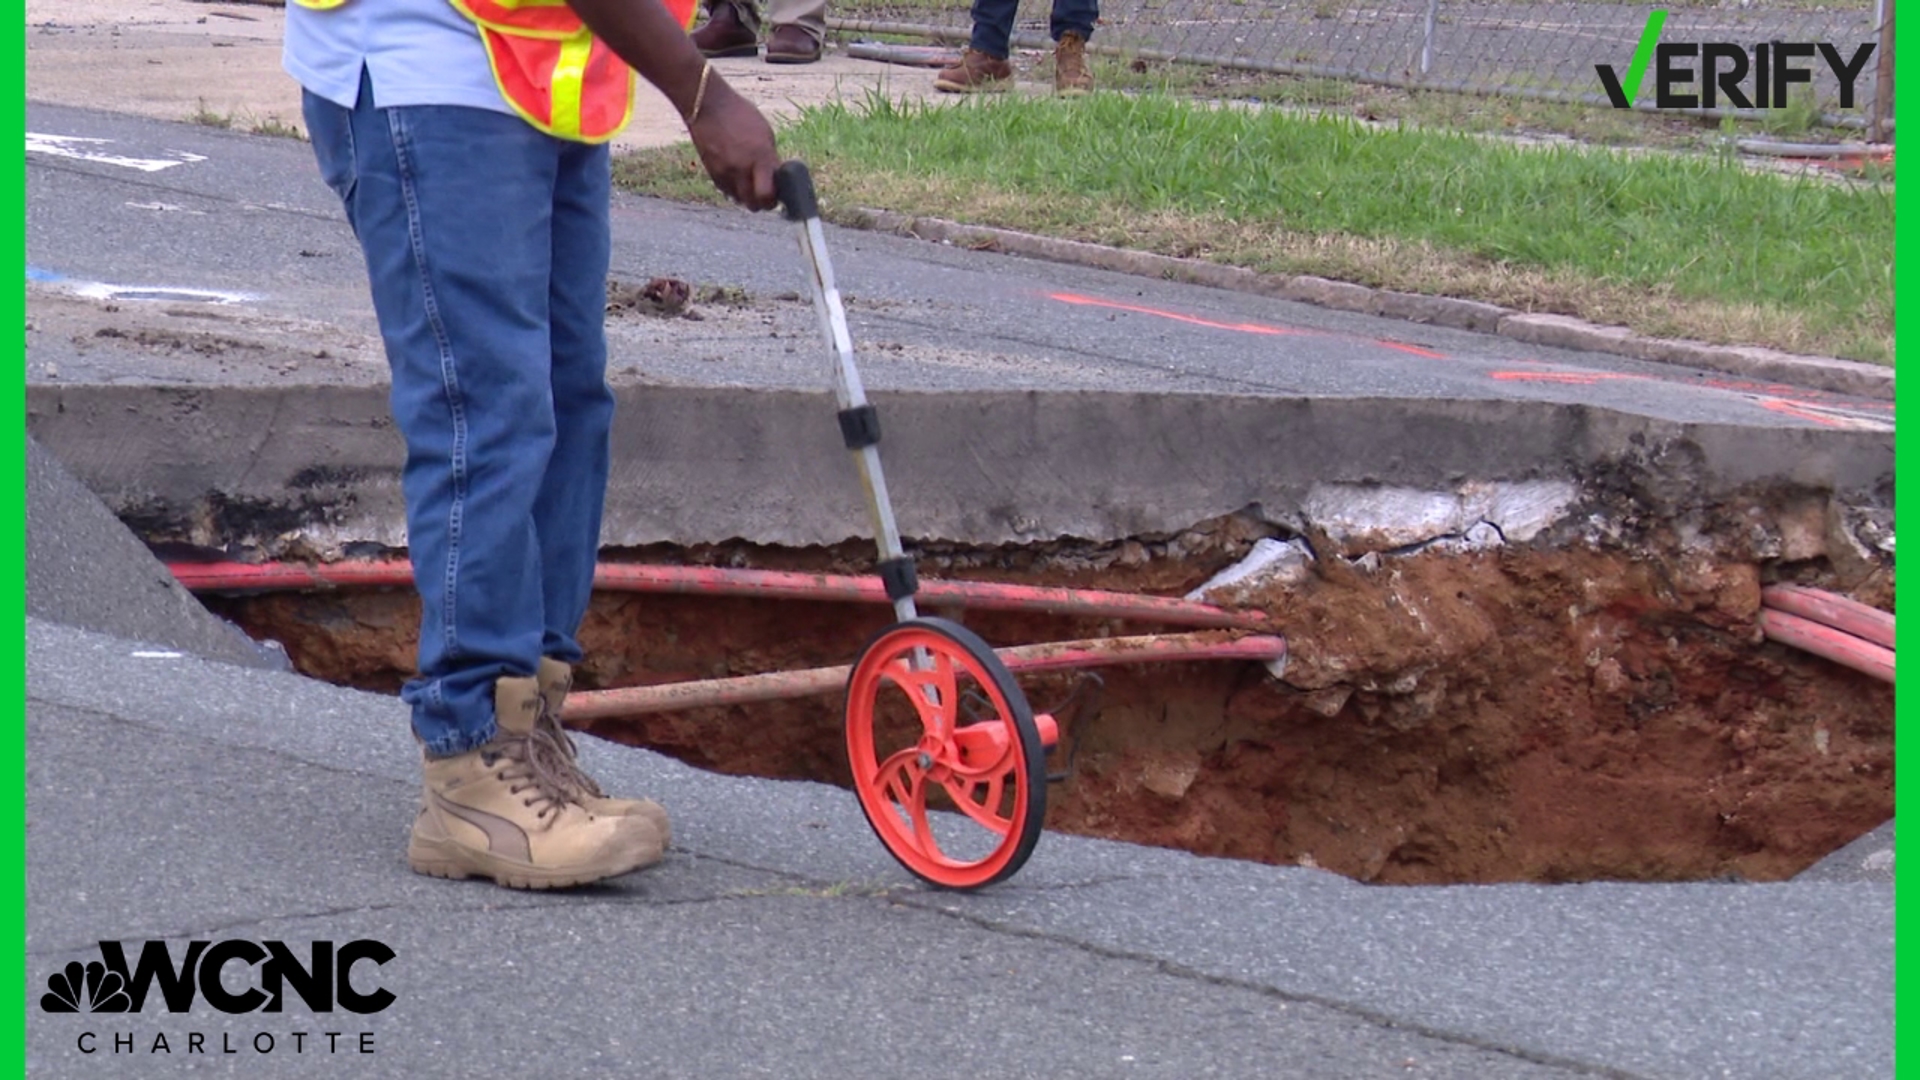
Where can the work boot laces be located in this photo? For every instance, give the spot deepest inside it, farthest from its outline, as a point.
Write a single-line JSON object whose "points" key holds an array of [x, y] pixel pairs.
{"points": [[548, 729], [537, 769]]}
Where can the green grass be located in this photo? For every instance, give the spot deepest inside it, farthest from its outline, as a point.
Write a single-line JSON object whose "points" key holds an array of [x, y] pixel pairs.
{"points": [[1684, 246], [247, 122]]}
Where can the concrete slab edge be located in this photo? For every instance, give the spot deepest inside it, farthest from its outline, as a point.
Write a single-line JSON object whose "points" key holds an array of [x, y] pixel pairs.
{"points": [[1826, 373]]}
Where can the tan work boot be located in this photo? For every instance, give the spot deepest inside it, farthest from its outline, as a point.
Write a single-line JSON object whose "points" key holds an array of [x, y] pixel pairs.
{"points": [[975, 71], [1070, 75], [556, 680], [502, 811]]}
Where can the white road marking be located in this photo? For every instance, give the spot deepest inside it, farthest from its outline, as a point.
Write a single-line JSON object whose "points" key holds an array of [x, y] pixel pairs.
{"points": [[81, 148], [166, 208]]}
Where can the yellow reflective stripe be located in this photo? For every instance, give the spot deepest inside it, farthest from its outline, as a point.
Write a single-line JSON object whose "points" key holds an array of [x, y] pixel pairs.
{"points": [[319, 5], [569, 83], [565, 94], [512, 102]]}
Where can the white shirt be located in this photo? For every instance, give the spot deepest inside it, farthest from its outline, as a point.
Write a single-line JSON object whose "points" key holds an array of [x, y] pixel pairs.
{"points": [[418, 52]]}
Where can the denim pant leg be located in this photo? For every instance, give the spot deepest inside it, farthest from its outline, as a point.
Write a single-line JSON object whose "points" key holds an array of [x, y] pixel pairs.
{"points": [[453, 208], [993, 26], [567, 513], [1077, 16]]}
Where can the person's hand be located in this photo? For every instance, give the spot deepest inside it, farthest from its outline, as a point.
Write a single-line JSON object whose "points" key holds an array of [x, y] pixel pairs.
{"points": [[735, 143]]}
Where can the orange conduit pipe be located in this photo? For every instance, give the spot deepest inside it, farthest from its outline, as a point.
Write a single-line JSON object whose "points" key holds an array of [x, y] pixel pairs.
{"points": [[727, 581], [1830, 609], [814, 682], [1825, 641]]}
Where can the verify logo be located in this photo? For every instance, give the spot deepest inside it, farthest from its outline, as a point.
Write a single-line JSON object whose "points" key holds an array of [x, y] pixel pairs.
{"points": [[1724, 71]]}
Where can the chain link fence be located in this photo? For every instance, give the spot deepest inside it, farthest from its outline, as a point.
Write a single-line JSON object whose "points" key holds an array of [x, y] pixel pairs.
{"points": [[1543, 50]]}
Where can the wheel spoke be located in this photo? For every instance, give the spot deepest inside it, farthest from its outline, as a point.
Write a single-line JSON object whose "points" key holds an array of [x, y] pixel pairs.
{"points": [[985, 813], [931, 692], [905, 784]]}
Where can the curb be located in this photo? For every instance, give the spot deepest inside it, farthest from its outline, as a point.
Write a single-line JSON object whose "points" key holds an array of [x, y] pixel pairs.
{"points": [[1559, 331]]}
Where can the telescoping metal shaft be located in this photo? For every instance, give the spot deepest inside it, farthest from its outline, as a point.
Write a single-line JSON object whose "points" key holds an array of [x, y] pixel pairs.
{"points": [[859, 422]]}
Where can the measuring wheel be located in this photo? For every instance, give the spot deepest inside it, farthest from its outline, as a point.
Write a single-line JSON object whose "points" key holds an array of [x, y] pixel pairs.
{"points": [[948, 759]]}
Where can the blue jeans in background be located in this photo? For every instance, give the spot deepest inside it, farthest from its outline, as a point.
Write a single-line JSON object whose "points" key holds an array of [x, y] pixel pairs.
{"points": [[487, 250], [993, 22]]}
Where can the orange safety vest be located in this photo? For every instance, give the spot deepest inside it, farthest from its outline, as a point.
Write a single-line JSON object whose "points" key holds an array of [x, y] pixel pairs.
{"points": [[550, 68]]}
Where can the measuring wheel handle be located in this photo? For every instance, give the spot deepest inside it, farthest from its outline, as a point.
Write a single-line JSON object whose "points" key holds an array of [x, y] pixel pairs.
{"points": [[793, 185], [989, 764]]}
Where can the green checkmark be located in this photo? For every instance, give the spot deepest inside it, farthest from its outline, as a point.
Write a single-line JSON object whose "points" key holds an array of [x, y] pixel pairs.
{"points": [[1630, 85]]}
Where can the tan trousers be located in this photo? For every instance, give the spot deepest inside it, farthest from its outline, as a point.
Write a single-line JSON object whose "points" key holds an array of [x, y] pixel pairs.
{"points": [[808, 15]]}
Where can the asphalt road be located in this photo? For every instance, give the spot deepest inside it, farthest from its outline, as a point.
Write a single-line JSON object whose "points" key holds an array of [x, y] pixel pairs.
{"points": [[179, 800], [245, 220]]}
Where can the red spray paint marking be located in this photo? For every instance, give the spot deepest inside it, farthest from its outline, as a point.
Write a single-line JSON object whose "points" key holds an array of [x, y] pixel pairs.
{"points": [[1573, 378], [1244, 328], [1799, 408], [1798, 412], [1798, 393]]}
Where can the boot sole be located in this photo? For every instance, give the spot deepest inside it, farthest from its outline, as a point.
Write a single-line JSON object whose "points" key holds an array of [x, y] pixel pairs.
{"points": [[445, 859], [732, 52], [792, 58], [997, 86]]}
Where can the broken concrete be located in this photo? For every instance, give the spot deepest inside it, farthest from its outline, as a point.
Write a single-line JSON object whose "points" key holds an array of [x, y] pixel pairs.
{"points": [[85, 569], [315, 469]]}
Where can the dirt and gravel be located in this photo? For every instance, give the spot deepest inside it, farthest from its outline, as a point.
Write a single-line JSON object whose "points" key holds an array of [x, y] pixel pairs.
{"points": [[1552, 711]]}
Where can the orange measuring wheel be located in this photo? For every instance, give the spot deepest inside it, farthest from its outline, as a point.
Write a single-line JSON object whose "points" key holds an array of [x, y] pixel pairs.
{"points": [[948, 759]]}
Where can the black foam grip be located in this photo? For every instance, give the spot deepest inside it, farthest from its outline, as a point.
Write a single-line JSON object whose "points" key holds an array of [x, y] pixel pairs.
{"points": [[899, 577], [794, 185], [860, 427]]}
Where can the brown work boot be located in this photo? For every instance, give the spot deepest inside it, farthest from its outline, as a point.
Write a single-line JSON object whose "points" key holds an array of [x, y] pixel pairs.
{"points": [[1070, 75], [727, 33], [556, 680], [502, 811], [791, 45], [976, 71]]}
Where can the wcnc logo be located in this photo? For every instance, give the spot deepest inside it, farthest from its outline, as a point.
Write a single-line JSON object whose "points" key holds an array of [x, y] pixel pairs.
{"points": [[1771, 65], [322, 980]]}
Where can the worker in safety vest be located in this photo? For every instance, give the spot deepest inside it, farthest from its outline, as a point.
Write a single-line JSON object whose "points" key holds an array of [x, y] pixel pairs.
{"points": [[467, 142]]}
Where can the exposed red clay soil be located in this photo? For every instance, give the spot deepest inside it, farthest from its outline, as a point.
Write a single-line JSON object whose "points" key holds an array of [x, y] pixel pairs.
{"points": [[1507, 715]]}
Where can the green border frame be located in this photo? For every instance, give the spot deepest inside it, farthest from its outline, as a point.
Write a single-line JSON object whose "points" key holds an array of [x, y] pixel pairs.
{"points": [[1906, 323]]}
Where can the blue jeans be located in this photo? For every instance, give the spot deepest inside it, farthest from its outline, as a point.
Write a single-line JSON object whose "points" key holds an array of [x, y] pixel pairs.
{"points": [[487, 247], [993, 22]]}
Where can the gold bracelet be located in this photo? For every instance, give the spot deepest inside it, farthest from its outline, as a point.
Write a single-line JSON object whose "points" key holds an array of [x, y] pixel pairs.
{"points": [[700, 95]]}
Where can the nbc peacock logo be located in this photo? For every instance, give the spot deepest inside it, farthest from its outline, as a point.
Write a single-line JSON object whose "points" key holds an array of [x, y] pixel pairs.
{"points": [[86, 988]]}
